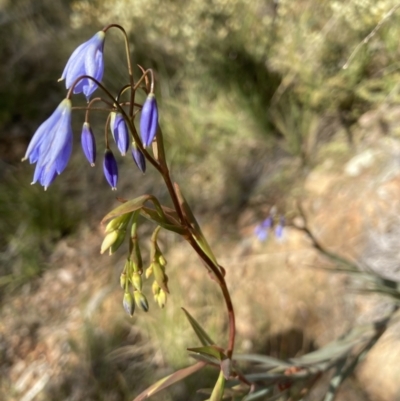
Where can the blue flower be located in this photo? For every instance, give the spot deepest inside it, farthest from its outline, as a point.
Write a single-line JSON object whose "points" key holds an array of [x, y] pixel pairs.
{"points": [[120, 132], [138, 158], [261, 230], [149, 120], [279, 228], [110, 169], [87, 59], [88, 143], [51, 145]]}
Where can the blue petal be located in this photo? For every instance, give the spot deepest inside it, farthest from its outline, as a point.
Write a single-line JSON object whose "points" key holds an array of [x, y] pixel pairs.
{"points": [[51, 146], [88, 143], [149, 120], [139, 158], [48, 175], [120, 132], [110, 169], [87, 59], [41, 135]]}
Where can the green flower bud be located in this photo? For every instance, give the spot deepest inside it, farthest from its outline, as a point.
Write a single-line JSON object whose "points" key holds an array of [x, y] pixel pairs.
{"points": [[129, 303], [149, 271], [137, 281], [109, 239], [161, 298], [122, 280], [118, 242], [160, 276], [141, 300], [118, 223], [162, 260], [155, 288]]}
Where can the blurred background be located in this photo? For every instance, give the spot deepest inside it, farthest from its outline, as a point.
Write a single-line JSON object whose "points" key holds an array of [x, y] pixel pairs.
{"points": [[258, 114]]}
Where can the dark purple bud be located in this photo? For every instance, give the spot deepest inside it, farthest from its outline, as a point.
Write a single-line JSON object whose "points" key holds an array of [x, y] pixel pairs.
{"points": [[120, 132], [138, 158], [149, 120], [110, 169], [88, 143]]}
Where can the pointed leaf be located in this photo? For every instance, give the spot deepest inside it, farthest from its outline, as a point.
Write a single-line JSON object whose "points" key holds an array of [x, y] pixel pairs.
{"points": [[210, 360], [210, 350], [267, 361], [204, 338], [218, 391], [127, 207], [169, 380], [257, 394], [163, 221]]}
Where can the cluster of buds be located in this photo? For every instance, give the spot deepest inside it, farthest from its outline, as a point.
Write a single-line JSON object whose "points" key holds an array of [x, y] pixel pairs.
{"points": [[131, 279], [263, 229], [132, 283], [51, 145], [157, 270]]}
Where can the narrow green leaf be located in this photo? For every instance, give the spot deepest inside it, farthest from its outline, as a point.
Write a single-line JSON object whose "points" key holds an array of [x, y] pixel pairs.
{"points": [[205, 358], [267, 361], [210, 350], [169, 380], [257, 394], [204, 338], [127, 207], [163, 221], [218, 391]]}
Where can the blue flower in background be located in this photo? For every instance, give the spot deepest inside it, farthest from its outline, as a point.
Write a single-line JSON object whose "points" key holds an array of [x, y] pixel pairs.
{"points": [[149, 120], [279, 228], [87, 59], [120, 132], [88, 143], [51, 145], [110, 169], [261, 230]]}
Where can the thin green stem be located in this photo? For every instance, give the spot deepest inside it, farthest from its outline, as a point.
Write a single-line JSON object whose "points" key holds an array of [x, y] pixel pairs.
{"points": [[128, 58]]}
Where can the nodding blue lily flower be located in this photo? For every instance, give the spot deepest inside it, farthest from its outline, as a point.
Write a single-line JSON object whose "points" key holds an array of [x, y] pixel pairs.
{"points": [[88, 143], [120, 132], [110, 169], [87, 59], [51, 145], [139, 158], [261, 230], [149, 120]]}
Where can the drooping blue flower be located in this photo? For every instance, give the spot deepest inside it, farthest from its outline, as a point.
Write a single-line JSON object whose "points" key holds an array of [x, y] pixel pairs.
{"points": [[139, 158], [51, 145], [120, 132], [88, 143], [87, 59], [262, 229], [149, 120], [110, 169]]}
